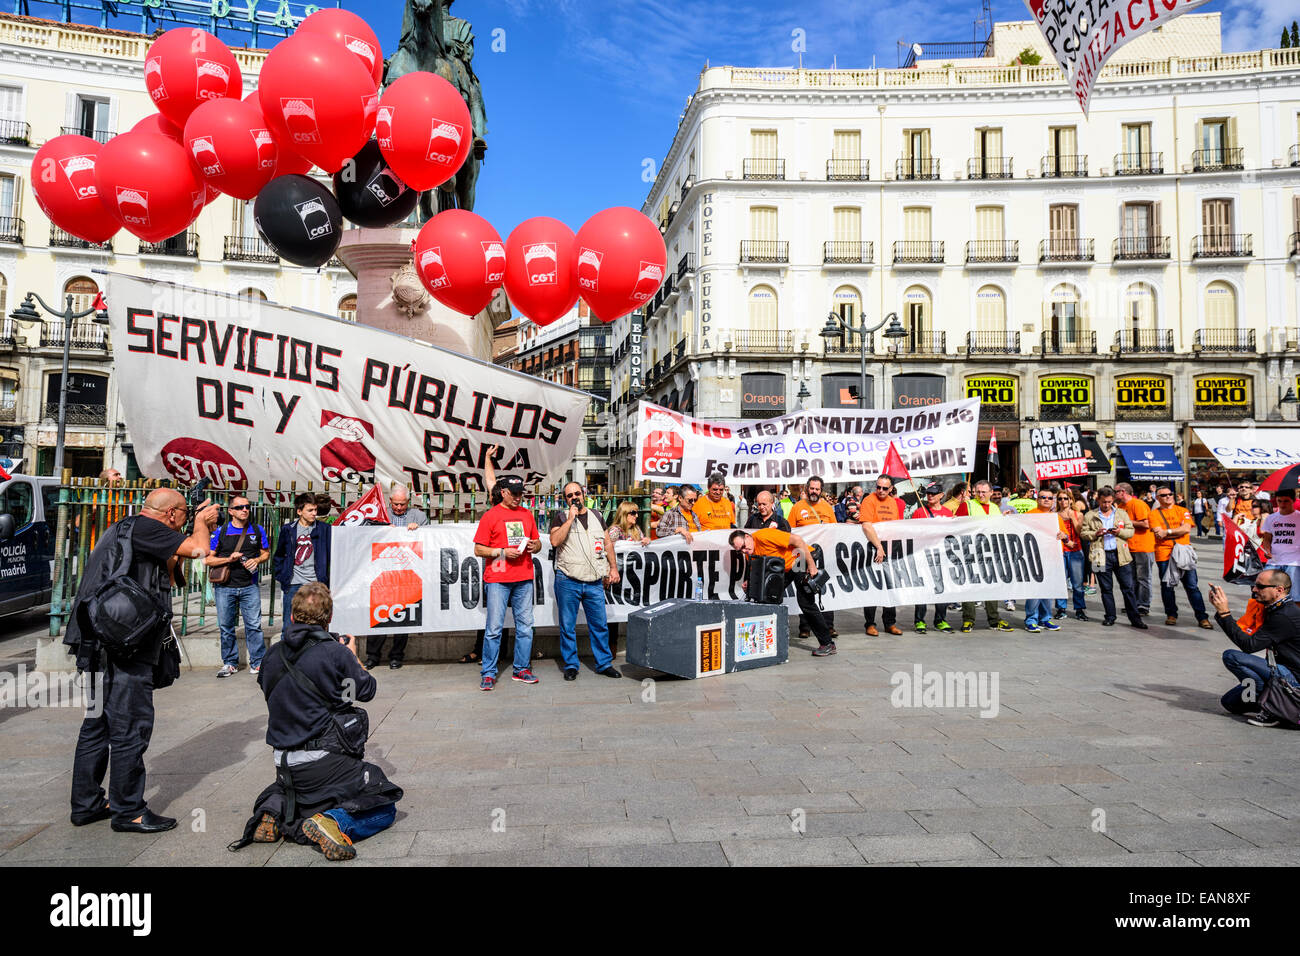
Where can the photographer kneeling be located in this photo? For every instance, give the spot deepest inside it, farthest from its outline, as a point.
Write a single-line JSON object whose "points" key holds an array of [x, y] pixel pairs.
{"points": [[1278, 631], [324, 793]]}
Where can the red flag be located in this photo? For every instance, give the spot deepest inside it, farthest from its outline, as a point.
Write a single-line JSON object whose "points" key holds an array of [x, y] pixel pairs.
{"points": [[894, 466], [1241, 559], [4, 475], [370, 506], [961, 510], [993, 450], [99, 305]]}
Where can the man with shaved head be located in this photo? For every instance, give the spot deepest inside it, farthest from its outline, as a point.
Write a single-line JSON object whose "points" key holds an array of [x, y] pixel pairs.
{"points": [[118, 734]]}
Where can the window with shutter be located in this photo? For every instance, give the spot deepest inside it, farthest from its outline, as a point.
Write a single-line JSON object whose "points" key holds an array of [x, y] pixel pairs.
{"points": [[762, 223], [916, 224], [1220, 306], [847, 145], [989, 224], [83, 292], [848, 224], [991, 310], [762, 309], [847, 304], [1140, 310]]}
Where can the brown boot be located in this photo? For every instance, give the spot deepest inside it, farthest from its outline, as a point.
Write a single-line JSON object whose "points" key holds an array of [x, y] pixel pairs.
{"points": [[893, 629], [268, 830], [1171, 620], [871, 631]]}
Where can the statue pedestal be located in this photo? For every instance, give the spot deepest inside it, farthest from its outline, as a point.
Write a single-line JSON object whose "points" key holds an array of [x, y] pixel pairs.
{"points": [[375, 256]]}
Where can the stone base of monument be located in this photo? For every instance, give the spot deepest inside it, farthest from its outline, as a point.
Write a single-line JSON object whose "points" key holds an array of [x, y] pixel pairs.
{"points": [[390, 296], [706, 638]]}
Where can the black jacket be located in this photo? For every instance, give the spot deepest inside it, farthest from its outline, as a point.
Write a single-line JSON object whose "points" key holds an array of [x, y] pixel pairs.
{"points": [[294, 715], [1280, 631]]}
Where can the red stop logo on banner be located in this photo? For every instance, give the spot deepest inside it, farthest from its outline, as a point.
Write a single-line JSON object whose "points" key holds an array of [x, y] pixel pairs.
{"points": [[662, 454], [189, 459]]}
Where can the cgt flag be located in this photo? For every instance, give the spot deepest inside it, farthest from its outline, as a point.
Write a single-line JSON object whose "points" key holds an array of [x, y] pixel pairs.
{"points": [[993, 450], [1241, 559], [369, 507], [894, 467]]}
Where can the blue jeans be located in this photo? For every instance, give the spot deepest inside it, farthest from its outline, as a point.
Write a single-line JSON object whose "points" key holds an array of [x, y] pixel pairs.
{"points": [[1074, 565], [1038, 611], [289, 592], [1294, 571], [1169, 596], [519, 595], [1242, 666], [358, 826], [247, 601], [591, 595]]}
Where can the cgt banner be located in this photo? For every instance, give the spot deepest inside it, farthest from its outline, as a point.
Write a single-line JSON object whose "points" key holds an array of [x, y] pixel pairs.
{"points": [[1083, 34], [837, 445], [393, 581], [1058, 452], [239, 390]]}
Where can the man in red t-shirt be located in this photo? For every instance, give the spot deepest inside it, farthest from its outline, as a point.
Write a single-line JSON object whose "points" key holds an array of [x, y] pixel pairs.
{"points": [[507, 536], [932, 507]]}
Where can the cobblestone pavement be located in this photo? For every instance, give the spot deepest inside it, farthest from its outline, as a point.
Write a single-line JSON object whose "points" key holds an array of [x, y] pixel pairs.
{"points": [[1109, 748]]}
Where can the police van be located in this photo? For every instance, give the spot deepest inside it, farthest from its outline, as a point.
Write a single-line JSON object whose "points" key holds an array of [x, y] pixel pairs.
{"points": [[28, 512]]}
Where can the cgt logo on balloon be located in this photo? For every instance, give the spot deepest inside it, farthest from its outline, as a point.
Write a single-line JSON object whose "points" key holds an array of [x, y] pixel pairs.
{"points": [[345, 457], [264, 142], [205, 155], [494, 258], [153, 80], [80, 171], [386, 187], [589, 261], [133, 205], [431, 267], [397, 592], [649, 277], [384, 127], [315, 218], [300, 117], [361, 48], [444, 135], [212, 80], [541, 262]]}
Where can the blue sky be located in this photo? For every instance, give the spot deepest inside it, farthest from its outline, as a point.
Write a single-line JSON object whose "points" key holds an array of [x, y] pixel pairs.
{"points": [[586, 90]]}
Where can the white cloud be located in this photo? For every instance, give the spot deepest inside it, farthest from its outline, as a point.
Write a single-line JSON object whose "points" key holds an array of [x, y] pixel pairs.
{"points": [[1256, 24]]}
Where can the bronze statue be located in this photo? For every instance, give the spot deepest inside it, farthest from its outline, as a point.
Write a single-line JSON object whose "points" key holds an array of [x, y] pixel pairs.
{"points": [[435, 41]]}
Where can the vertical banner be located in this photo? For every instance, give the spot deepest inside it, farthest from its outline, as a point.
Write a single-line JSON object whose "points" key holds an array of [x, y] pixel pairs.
{"points": [[1058, 452]]}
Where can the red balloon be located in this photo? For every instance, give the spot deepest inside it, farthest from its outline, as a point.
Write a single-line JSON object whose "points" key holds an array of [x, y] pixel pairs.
{"points": [[540, 275], [157, 123], [185, 67], [424, 129], [149, 184], [620, 263], [63, 178], [232, 148], [318, 99], [286, 162], [461, 260], [347, 28]]}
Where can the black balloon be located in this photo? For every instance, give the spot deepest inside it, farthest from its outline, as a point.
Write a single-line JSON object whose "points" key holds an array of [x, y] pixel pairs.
{"points": [[369, 192], [300, 219]]}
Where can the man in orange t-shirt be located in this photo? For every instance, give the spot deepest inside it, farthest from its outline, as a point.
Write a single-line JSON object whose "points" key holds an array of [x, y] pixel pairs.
{"points": [[1172, 525], [813, 508], [880, 505], [715, 510], [1142, 545], [772, 542]]}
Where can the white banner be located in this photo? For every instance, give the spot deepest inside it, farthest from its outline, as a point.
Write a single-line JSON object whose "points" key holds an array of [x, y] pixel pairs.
{"points": [[838, 446], [392, 581], [239, 390], [1084, 35], [1265, 449]]}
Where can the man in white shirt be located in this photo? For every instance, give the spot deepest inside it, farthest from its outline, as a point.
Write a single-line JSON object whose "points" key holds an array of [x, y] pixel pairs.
{"points": [[1280, 538], [1221, 510]]}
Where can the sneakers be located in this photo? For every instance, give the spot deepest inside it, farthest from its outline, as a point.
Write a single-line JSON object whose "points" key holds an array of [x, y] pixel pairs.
{"points": [[1032, 628], [1081, 616], [1057, 615], [967, 626], [1049, 626], [920, 627], [1003, 626], [227, 670], [255, 670], [943, 626], [1089, 590], [824, 650], [268, 831], [1261, 719], [525, 676], [323, 830], [1009, 605], [487, 683]]}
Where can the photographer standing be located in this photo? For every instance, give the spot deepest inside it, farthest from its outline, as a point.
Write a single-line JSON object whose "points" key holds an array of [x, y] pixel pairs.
{"points": [[238, 547], [769, 542], [119, 734]]}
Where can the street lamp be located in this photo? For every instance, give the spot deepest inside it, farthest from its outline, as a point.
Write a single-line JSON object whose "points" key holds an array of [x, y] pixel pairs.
{"points": [[835, 328], [803, 395], [27, 313], [1288, 399]]}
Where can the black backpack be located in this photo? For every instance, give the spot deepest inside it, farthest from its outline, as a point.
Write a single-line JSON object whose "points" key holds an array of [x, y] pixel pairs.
{"points": [[121, 613]]}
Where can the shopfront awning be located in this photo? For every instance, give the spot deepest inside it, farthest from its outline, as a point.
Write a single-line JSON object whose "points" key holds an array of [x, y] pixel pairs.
{"points": [[1152, 462], [1258, 449]]}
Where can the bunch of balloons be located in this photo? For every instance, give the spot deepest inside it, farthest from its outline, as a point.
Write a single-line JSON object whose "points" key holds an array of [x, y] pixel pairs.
{"points": [[615, 263], [317, 105]]}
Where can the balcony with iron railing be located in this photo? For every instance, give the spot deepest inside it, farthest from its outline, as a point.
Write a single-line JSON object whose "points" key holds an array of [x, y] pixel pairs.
{"points": [[1293, 249], [12, 230], [916, 167], [912, 252], [98, 135], [1222, 245], [75, 414], [1066, 250], [762, 341], [920, 342], [1139, 248], [1063, 166], [850, 344], [1293, 155], [1144, 341], [763, 168], [764, 250], [1068, 342], [685, 266], [1218, 159], [15, 133], [993, 343], [1139, 164], [990, 167], [687, 184], [8, 331], [992, 250], [848, 169], [1224, 341], [61, 239], [837, 252], [248, 249], [185, 246], [85, 334]]}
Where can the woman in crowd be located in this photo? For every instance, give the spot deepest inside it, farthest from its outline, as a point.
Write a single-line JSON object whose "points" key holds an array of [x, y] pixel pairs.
{"points": [[1080, 506], [1201, 509], [625, 526], [1074, 553]]}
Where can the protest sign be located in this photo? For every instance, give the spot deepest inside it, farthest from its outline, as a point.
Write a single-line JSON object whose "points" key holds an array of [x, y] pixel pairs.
{"points": [[836, 444], [389, 580], [240, 390], [1058, 452]]}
